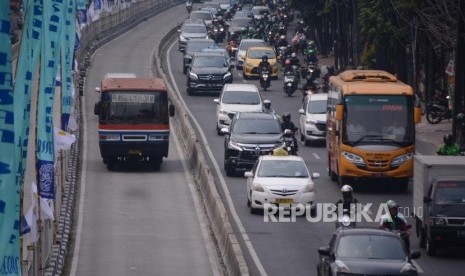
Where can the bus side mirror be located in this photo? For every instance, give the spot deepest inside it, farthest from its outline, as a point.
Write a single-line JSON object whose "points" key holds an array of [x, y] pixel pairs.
{"points": [[171, 110], [417, 114], [97, 108], [339, 110]]}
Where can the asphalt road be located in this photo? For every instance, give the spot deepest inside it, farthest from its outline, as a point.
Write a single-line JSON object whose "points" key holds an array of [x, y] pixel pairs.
{"points": [[290, 248], [134, 221]]}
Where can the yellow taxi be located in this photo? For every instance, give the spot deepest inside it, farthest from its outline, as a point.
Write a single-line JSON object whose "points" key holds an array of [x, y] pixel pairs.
{"points": [[253, 57]]}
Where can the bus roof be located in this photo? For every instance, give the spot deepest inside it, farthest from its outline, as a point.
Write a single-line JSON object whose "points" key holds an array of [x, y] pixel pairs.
{"points": [[133, 84], [370, 81]]}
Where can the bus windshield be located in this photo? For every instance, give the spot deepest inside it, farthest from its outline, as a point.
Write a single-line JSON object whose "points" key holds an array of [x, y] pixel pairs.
{"points": [[134, 107], [378, 119]]}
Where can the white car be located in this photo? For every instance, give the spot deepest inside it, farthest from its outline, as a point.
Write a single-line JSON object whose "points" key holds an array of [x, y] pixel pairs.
{"points": [[260, 11], [236, 98], [280, 180], [243, 47], [312, 119]]}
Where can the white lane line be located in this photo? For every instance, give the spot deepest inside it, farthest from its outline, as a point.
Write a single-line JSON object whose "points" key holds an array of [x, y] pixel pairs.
{"points": [[201, 216], [236, 218], [419, 269], [316, 156], [82, 184]]}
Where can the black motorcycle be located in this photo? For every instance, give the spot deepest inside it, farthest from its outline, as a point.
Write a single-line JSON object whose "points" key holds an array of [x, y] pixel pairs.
{"points": [[289, 142], [290, 84], [438, 110], [265, 78]]}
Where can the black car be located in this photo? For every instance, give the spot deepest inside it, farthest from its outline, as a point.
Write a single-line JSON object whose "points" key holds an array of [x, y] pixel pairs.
{"points": [[209, 71], [249, 136], [365, 251], [193, 46], [239, 26]]}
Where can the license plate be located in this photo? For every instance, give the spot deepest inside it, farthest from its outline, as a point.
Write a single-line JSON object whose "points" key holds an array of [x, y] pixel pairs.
{"points": [[461, 233], [284, 201], [133, 151]]}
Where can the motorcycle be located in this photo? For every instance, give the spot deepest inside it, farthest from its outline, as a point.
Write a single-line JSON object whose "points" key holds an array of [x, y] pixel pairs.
{"points": [[265, 78], [405, 237], [281, 54], [438, 110], [218, 33], [345, 220], [289, 142], [289, 83]]}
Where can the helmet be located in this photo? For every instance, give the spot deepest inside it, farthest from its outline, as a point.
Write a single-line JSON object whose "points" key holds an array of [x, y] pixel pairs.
{"points": [[392, 206], [282, 37], [311, 43], [293, 55], [220, 18], [448, 139], [286, 117], [264, 58], [267, 104], [301, 22], [346, 191], [287, 63]]}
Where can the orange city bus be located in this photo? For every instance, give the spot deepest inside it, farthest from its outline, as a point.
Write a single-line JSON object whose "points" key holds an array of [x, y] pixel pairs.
{"points": [[133, 119], [371, 119]]}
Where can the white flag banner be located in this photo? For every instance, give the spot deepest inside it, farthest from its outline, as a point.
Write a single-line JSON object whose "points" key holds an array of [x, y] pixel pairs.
{"points": [[46, 209], [31, 220], [62, 139], [72, 124]]}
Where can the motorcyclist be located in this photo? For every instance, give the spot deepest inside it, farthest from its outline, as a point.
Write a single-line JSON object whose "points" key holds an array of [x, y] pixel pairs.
{"points": [[295, 60], [189, 5], [300, 27], [264, 64], [348, 201], [311, 52], [280, 152], [282, 42], [286, 123], [449, 147], [395, 221]]}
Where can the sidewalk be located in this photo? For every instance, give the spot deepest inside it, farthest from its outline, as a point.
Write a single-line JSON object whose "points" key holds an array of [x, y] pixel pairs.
{"points": [[427, 133]]}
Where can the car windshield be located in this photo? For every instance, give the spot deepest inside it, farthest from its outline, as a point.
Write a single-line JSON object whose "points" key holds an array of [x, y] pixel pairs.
{"points": [[258, 54], [257, 126], [370, 247], [240, 97], [202, 15], [450, 192], [317, 107], [375, 120], [210, 61], [282, 168], [247, 44], [199, 46], [241, 22], [194, 29]]}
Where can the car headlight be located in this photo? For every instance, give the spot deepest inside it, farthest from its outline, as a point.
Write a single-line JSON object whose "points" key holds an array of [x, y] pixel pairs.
{"points": [[234, 145], [399, 160], [309, 188], [193, 76], [221, 29], [110, 137], [227, 75], [439, 221], [353, 158], [258, 188], [182, 38], [341, 267]]}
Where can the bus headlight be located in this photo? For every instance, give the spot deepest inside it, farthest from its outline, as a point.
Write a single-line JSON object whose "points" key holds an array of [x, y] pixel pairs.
{"points": [[354, 158], [399, 160]]}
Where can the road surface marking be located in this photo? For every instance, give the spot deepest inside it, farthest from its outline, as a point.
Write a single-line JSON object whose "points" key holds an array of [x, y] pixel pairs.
{"points": [[316, 156], [419, 269]]}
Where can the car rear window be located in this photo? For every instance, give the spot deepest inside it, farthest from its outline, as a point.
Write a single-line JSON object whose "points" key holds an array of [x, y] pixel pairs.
{"points": [[370, 247], [257, 126], [240, 97], [194, 29], [198, 46]]}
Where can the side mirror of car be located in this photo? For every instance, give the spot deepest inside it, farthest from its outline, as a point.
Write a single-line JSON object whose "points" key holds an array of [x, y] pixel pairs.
{"points": [[97, 108], [323, 251], [427, 199], [171, 110], [415, 254], [302, 111], [315, 175], [217, 101], [248, 174], [224, 130]]}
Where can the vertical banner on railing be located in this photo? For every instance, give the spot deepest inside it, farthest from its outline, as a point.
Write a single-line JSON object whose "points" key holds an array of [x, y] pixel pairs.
{"points": [[26, 69], [9, 189], [53, 20], [68, 37]]}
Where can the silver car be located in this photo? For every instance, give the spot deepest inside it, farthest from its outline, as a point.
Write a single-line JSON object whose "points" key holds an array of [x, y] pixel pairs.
{"points": [[191, 29]]}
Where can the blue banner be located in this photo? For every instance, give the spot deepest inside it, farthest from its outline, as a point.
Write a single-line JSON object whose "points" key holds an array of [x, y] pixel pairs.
{"points": [[9, 189], [53, 18], [28, 60], [68, 37]]}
